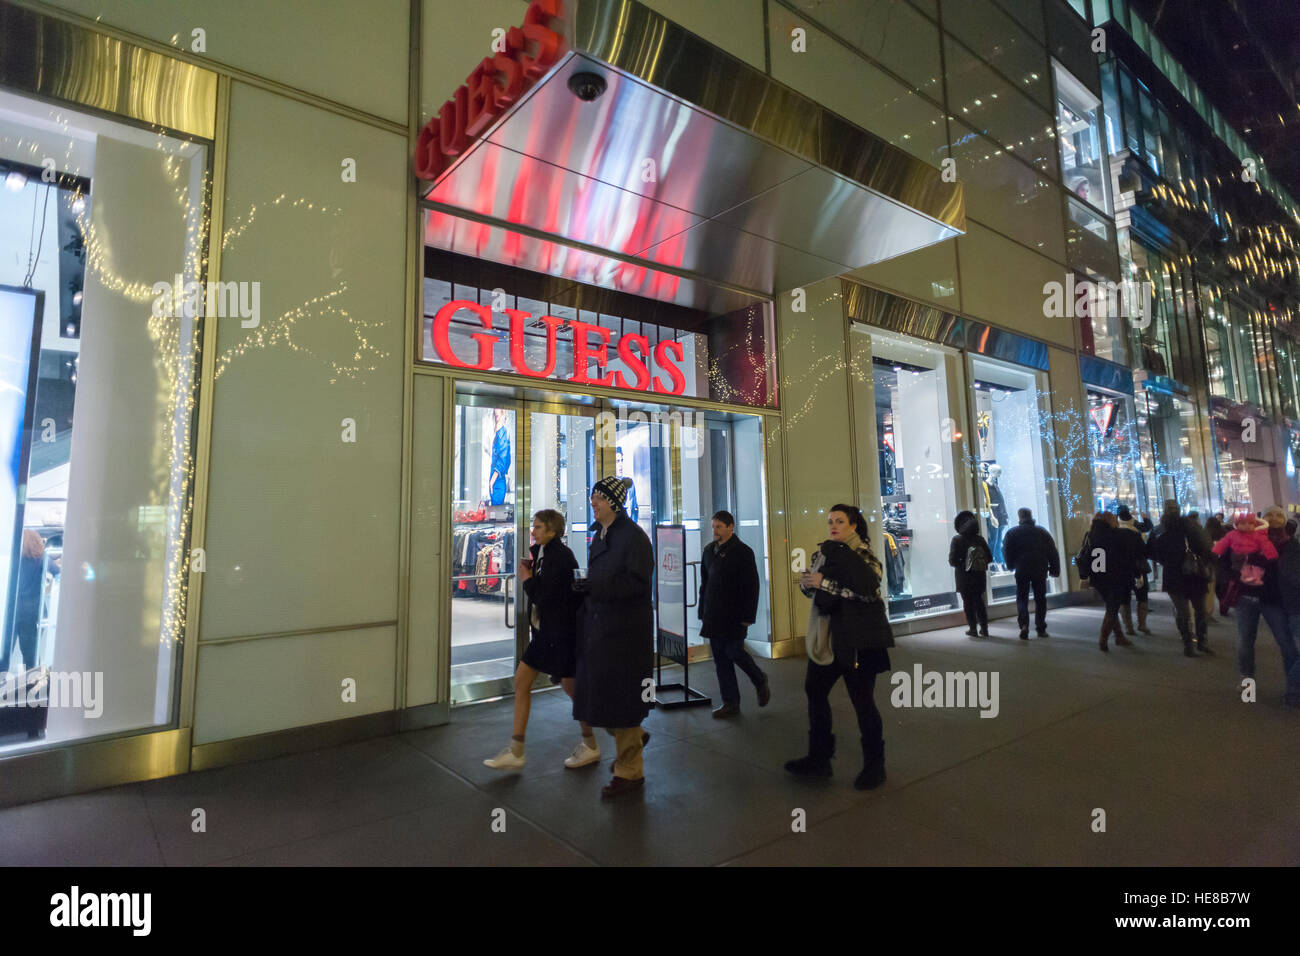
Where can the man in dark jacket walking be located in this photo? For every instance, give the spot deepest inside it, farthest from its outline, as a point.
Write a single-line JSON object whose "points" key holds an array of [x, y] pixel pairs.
{"points": [[1030, 551], [728, 606], [1170, 546], [616, 633]]}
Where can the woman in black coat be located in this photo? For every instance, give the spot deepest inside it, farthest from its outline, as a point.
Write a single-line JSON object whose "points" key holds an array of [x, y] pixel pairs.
{"points": [[1111, 557], [848, 636], [970, 557], [548, 581]]}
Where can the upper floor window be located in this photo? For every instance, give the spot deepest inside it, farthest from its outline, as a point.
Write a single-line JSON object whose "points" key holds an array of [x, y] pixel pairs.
{"points": [[1078, 123]]}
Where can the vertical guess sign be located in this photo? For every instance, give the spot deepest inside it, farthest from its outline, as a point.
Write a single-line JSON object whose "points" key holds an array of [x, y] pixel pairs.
{"points": [[495, 84]]}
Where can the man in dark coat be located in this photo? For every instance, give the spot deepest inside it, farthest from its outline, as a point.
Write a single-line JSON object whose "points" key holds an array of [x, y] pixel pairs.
{"points": [[1168, 546], [616, 633], [728, 606], [1029, 550]]}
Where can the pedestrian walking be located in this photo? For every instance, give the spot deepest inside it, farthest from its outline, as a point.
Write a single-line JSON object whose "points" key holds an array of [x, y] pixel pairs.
{"points": [[1141, 581], [1029, 550], [848, 636], [970, 555], [547, 578], [1279, 578], [1288, 585], [1110, 557], [616, 633], [728, 606], [1184, 555]]}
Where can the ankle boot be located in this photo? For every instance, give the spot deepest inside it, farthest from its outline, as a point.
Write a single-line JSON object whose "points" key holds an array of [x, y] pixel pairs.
{"points": [[873, 767], [1120, 639], [1143, 609], [1188, 649], [1127, 613], [1105, 633], [818, 761]]}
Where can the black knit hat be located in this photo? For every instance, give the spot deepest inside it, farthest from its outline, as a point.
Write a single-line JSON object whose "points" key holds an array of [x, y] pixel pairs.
{"points": [[613, 490]]}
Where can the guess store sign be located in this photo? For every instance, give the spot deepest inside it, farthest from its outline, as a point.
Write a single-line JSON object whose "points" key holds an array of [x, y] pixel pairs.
{"points": [[494, 85], [656, 369]]}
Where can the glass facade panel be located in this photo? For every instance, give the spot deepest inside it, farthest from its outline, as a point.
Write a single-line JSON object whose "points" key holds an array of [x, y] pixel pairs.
{"points": [[1169, 462]]}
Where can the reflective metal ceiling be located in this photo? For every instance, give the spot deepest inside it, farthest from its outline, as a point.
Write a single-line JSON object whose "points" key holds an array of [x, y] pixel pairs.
{"points": [[694, 178]]}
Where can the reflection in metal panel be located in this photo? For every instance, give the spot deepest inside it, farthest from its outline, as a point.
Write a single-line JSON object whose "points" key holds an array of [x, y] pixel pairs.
{"points": [[60, 61], [884, 311], [692, 164]]}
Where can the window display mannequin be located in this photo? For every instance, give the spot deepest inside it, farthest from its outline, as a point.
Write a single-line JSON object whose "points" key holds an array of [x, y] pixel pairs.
{"points": [[995, 517], [500, 466], [633, 510]]}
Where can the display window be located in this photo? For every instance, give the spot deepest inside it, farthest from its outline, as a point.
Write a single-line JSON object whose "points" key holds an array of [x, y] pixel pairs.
{"points": [[98, 388], [1113, 448], [917, 473], [1010, 421], [1083, 154]]}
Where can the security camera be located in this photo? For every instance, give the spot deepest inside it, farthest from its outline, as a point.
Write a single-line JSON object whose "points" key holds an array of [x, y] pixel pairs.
{"points": [[587, 86]]}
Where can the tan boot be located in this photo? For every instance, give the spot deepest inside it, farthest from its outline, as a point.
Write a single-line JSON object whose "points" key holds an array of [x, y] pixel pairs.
{"points": [[1143, 609]]}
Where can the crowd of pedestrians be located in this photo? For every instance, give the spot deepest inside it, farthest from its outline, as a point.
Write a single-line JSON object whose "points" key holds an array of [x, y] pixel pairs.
{"points": [[593, 633]]}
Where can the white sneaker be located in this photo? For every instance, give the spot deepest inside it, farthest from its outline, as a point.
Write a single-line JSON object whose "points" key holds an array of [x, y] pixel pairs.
{"points": [[582, 755], [505, 760]]}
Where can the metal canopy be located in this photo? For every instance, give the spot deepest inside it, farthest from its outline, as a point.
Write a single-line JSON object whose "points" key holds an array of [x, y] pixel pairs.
{"points": [[693, 179]]}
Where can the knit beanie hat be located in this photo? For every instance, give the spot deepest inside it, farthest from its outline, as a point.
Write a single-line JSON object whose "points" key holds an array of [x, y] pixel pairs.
{"points": [[613, 490]]}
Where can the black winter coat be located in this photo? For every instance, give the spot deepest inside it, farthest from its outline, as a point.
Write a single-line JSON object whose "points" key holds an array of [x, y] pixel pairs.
{"points": [[850, 595], [1167, 546], [1285, 572], [616, 628], [550, 590], [961, 543], [728, 589], [1124, 559], [1030, 551]]}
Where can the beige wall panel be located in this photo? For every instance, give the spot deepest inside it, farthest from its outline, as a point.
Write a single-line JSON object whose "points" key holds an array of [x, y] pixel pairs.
{"points": [[428, 506], [1002, 283], [817, 433], [927, 275], [353, 53], [890, 31], [302, 526], [256, 687], [845, 83], [774, 466], [454, 37], [733, 25]]}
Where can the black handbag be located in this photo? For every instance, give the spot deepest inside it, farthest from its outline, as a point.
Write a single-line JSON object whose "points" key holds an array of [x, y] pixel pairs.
{"points": [[1193, 565]]}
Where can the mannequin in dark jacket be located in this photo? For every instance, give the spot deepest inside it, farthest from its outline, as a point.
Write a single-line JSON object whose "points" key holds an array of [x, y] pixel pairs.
{"points": [[616, 632], [548, 581], [728, 606], [844, 584], [1168, 545], [973, 583], [1030, 551]]}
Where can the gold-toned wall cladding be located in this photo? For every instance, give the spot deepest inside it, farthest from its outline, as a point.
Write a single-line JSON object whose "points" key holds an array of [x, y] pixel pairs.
{"points": [[49, 58]]}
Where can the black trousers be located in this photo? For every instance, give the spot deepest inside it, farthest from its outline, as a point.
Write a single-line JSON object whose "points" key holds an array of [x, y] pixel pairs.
{"points": [[861, 684], [977, 612], [728, 654], [1040, 603]]}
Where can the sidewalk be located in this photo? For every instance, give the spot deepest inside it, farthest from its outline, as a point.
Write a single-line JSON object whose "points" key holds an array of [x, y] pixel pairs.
{"points": [[1186, 773]]}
